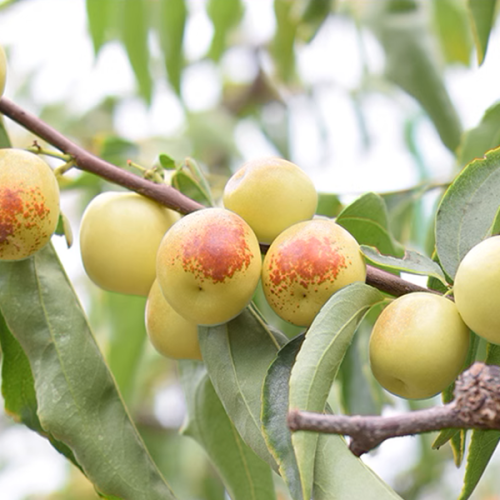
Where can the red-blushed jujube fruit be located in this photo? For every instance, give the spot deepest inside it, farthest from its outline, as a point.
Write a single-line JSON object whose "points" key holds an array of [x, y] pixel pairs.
{"points": [[29, 204], [271, 194], [120, 234], [208, 266], [418, 345], [171, 335], [477, 289], [306, 264]]}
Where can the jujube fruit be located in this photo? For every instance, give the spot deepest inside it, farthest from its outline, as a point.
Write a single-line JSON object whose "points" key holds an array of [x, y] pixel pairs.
{"points": [[29, 204], [120, 234], [271, 194], [477, 289], [171, 335], [208, 265], [306, 264], [418, 345]]}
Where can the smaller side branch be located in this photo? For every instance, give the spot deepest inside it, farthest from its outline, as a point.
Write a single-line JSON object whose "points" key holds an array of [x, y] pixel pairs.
{"points": [[476, 405]]}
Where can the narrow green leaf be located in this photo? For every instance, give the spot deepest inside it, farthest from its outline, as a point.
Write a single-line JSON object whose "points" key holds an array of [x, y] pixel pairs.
{"points": [[184, 183], [413, 262], [477, 141], [318, 362], [329, 205], [98, 17], [64, 229], [135, 30], [313, 13], [367, 220], [274, 415], [171, 26], [244, 474], [482, 443], [411, 64], [125, 320], [341, 475], [283, 44], [467, 210], [78, 402], [482, 16], [452, 27], [225, 15], [18, 389], [237, 355], [4, 137]]}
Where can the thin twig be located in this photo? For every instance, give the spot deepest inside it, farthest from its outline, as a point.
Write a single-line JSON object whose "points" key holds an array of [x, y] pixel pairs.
{"points": [[476, 405], [162, 193]]}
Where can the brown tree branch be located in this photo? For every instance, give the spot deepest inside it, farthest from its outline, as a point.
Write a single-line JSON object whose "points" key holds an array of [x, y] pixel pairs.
{"points": [[166, 195], [476, 405]]}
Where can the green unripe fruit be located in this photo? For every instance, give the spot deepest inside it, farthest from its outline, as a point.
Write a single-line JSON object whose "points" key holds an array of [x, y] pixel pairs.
{"points": [[171, 334], [306, 264], [418, 345], [271, 194], [476, 289], [119, 236], [208, 266], [3, 70], [29, 204]]}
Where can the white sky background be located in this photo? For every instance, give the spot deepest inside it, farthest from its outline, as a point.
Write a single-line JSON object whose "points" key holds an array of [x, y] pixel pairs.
{"points": [[49, 48]]}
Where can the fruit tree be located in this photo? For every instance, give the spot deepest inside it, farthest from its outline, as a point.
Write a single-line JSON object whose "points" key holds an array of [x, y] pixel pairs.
{"points": [[217, 281]]}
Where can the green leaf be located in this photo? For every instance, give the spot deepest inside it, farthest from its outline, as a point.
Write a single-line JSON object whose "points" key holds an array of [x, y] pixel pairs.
{"points": [[318, 362], [412, 262], [64, 229], [329, 205], [313, 13], [411, 64], [117, 150], [166, 161], [18, 389], [185, 183], [225, 15], [98, 17], [482, 16], [244, 474], [125, 323], [482, 443], [274, 415], [467, 210], [367, 220], [4, 136], [171, 26], [477, 141], [78, 402], [237, 355], [283, 45], [135, 30], [450, 19], [341, 475]]}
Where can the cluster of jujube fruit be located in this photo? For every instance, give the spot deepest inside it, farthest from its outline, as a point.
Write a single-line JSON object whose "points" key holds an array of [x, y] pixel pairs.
{"points": [[204, 268]]}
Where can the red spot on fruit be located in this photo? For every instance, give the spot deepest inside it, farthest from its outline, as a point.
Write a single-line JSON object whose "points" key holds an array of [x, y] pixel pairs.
{"points": [[216, 251], [11, 205], [308, 261]]}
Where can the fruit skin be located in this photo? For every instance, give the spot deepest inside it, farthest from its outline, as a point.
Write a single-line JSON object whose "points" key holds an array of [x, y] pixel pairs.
{"points": [[171, 335], [3, 70], [271, 194], [29, 204], [306, 264], [418, 345], [208, 266], [120, 234], [476, 289]]}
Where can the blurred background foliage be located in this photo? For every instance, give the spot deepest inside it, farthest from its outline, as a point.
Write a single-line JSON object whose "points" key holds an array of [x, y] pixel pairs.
{"points": [[230, 79]]}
